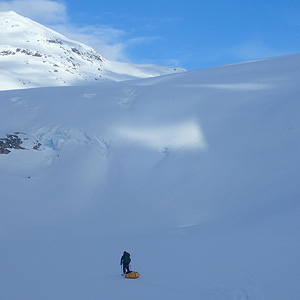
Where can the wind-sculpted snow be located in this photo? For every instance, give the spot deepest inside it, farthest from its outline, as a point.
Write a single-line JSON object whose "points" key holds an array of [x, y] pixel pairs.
{"points": [[195, 174], [233, 86], [185, 135]]}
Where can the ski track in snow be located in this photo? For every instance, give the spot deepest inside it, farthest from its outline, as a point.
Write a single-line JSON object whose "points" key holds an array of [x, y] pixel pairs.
{"points": [[231, 294], [129, 99], [89, 96]]}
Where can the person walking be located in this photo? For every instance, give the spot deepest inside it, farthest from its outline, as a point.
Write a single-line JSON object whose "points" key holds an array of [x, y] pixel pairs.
{"points": [[125, 261]]}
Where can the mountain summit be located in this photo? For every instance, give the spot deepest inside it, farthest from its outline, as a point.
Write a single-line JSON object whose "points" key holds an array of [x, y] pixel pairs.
{"points": [[32, 55]]}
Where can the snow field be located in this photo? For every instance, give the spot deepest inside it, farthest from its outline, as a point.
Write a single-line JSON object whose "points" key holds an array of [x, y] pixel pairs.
{"points": [[195, 174]]}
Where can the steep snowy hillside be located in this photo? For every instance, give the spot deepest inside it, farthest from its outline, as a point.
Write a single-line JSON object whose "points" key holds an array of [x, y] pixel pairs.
{"points": [[32, 55], [195, 174]]}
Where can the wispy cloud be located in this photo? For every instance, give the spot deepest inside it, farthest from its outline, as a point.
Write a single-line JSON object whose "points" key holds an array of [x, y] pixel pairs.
{"points": [[108, 41], [256, 49], [39, 10], [112, 43]]}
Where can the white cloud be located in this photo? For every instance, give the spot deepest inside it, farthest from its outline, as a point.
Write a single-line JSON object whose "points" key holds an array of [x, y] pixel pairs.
{"points": [[110, 42], [44, 11], [107, 41], [256, 49]]}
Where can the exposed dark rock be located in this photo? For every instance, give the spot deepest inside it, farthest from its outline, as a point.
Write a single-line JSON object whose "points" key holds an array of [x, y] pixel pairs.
{"points": [[37, 146], [55, 41], [14, 141], [76, 51], [19, 50], [7, 52], [4, 151], [37, 54]]}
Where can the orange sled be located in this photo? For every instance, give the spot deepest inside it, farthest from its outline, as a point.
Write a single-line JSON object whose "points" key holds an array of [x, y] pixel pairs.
{"points": [[132, 275]]}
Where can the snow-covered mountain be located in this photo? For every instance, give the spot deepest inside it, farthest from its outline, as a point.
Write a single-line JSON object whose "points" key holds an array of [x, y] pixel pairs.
{"points": [[196, 174], [32, 55]]}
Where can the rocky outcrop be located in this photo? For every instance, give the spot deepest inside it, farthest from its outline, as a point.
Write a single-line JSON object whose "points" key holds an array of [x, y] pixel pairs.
{"points": [[14, 141]]}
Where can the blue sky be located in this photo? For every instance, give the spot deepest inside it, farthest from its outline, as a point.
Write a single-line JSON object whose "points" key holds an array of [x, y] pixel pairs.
{"points": [[193, 34]]}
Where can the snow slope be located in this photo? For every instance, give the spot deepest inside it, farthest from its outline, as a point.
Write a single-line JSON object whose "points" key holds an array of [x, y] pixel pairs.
{"points": [[195, 174], [32, 55]]}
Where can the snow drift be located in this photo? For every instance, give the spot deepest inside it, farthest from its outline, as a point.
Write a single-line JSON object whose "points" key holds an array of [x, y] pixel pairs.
{"points": [[194, 173]]}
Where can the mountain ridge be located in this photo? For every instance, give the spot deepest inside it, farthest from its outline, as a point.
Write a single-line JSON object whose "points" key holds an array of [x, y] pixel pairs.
{"points": [[32, 55]]}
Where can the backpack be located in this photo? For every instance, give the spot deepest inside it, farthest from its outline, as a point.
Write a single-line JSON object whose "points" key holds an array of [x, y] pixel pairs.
{"points": [[126, 258]]}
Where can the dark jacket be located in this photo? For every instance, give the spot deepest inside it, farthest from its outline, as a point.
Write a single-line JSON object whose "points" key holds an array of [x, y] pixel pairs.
{"points": [[125, 259]]}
